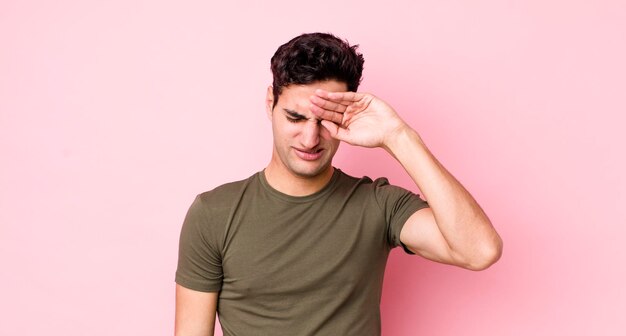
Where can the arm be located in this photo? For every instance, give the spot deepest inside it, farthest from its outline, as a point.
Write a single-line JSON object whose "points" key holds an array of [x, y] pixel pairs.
{"points": [[454, 230], [195, 312]]}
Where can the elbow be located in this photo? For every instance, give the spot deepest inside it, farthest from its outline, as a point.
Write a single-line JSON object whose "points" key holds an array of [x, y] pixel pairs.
{"points": [[488, 255]]}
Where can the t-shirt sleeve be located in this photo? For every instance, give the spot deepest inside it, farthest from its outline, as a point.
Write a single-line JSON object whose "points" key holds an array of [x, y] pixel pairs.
{"points": [[199, 259], [398, 204]]}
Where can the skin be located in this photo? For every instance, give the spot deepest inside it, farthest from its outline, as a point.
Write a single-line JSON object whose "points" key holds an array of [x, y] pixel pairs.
{"points": [[454, 230], [195, 312], [303, 149]]}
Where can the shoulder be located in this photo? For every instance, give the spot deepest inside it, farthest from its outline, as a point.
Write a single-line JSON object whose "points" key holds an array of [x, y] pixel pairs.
{"points": [[378, 190], [210, 210], [226, 193], [222, 198], [364, 182], [365, 188]]}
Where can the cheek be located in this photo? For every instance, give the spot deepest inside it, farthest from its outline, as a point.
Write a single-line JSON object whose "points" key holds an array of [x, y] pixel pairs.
{"points": [[290, 129], [285, 130]]}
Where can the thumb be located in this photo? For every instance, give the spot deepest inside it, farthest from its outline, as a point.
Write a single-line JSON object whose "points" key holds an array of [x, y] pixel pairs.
{"points": [[335, 131]]}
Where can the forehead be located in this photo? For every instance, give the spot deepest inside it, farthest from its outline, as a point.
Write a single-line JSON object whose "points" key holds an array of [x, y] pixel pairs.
{"points": [[295, 92], [295, 97]]}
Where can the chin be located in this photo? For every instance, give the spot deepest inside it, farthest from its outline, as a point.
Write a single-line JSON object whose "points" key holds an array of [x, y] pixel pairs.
{"points": [[309, 172]]}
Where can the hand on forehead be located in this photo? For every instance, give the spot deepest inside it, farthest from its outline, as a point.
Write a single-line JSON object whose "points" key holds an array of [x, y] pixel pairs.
{"points": [[332, 106]]}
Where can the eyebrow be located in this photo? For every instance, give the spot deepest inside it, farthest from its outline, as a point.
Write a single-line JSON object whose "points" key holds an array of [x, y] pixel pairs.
{"points": [[294, 114]]}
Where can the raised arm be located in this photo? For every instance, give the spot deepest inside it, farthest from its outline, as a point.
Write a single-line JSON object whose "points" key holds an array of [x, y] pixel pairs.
{"points": [[454, 230], [195, 312]]}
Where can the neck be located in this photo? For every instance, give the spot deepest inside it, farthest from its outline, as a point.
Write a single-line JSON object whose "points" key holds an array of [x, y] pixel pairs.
{"points": [[285, 181]]}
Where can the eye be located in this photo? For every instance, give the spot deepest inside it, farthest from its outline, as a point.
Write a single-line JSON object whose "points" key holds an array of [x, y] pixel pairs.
{"points": [[294, 120]]}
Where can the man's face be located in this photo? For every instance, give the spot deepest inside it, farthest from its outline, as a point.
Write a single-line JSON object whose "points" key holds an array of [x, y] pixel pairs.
{"points": [[302, 145]]}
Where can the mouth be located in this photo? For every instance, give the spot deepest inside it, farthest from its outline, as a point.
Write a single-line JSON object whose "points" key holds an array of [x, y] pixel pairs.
{"points": [[309, 154]]}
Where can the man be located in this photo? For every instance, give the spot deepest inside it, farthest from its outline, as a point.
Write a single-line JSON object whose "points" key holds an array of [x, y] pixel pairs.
{"points": [[300, 248]]}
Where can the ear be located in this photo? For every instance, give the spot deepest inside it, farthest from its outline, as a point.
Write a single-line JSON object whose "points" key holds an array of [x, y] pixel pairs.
{"points": [[269, 102]]}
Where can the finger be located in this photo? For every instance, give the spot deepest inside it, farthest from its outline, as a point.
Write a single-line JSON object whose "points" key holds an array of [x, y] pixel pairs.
{"points": [[324, 95], [335, 131], [324, 114], [327, 104], [344, 98]]}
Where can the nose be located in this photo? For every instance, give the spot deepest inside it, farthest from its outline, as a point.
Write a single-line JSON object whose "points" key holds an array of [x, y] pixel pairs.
{"points": [[310, 134]]}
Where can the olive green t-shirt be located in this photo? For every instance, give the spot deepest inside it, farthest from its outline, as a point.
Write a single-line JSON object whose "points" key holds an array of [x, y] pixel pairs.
{"points": [[286, 265]]}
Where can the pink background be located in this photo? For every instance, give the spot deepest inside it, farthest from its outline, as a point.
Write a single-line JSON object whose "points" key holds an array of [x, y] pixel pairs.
{"points": [[115, 114]]}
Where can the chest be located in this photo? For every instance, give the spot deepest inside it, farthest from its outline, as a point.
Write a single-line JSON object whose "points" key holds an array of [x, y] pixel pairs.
{"points": [[274, 248]]}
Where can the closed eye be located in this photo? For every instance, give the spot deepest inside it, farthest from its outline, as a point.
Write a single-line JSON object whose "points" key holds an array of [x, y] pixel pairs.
{"points": [[294, 120], [293, 116]]}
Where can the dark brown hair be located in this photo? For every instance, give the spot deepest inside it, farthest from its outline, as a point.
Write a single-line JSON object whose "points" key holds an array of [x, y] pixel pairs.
{"points": [[316, 57]]}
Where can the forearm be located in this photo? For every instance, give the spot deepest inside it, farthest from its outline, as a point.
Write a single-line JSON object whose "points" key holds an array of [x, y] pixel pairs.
{"points": [[471, 238]]}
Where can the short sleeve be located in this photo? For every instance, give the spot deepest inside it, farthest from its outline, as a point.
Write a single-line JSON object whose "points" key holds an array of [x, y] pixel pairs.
{"points": [[398, 204], [199, 259]]}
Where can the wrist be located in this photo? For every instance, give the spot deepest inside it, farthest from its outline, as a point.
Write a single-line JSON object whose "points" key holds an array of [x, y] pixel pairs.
{"points": [[400, 139]]}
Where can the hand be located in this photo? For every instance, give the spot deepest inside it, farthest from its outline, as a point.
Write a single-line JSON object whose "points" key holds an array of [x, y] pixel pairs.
{"points": [[359, 119]]}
